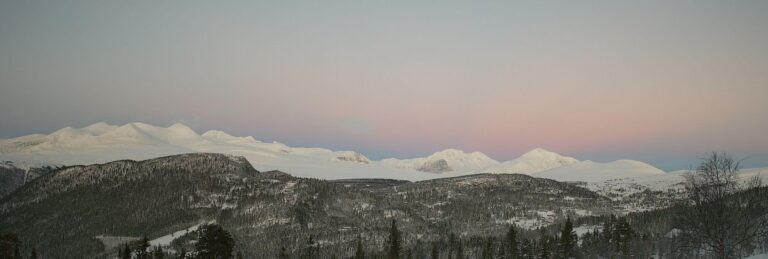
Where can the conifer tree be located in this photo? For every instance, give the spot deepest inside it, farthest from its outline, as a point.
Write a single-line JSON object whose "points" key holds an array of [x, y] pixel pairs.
{"points": [[182, 254], [34, 254], [459, 250], [624, 235], [214, 242], [283, 254], [394, 242], [526, 249], [544, 246], [435, 254], [487, 250], [511, 243], [142, 252], [158, 253], [359, 252], [126, 252], [568, 240], [310, 249], [9, 246], [451, 245]]}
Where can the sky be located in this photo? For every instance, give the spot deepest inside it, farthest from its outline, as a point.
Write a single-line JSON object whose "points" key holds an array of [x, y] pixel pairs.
{"points": [[658, 81]]}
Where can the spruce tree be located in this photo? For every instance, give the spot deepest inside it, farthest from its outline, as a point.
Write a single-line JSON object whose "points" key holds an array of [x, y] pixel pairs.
{"points": [[624, 235], [142, 252], [459, 250], [310, 249], [182, 254], [158, 253], [511, 243], [9, 245], [544, 245], [394, 242], [526, 250], [451, 245], [488, 249], [359, 252], [283, 254], [568, 240], [126, 252], [214, 242], [435, 254]]}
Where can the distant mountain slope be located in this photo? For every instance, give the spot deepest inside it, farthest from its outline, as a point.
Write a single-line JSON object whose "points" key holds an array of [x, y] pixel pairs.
{"points": [[449, 160], [534, 161], [101, 142], [61, 213], [589, 171]]}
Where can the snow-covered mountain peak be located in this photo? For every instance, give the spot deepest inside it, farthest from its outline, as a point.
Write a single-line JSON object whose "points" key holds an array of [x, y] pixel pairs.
{"points": [[540, 153], [98, 128], [533, 161], [127, 134], [179, 130], [452, 153], [351, 156], [449, 160], [102, 142], [217, 134], [178, 127]]}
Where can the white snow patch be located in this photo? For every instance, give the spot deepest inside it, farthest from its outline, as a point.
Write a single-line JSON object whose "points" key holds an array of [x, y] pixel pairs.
{"points": [[166, 240]]}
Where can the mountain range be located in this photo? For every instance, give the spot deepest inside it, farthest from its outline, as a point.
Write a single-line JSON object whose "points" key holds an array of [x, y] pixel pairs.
{"points": [[86, 211], [102, 142]]}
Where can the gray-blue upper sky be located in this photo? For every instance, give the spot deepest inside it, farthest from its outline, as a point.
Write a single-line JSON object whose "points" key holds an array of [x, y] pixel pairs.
{"points": [[657, 81]]}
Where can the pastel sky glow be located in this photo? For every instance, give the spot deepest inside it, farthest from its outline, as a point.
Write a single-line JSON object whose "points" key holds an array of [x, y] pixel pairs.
{"points": [[657, 81]]}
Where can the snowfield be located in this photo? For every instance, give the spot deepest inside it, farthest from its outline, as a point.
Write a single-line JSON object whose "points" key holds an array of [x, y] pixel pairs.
{"points": [[626, 182], [101, 142]]}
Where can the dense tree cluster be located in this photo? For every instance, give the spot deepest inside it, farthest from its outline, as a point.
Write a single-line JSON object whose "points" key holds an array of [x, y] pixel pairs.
{"points": [[275, 215]]}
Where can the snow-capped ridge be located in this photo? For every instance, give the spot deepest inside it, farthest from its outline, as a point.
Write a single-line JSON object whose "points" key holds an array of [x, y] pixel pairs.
{"points": [[101, 142], [351, 156], [448, 160], [589, 171], [533, 161]]}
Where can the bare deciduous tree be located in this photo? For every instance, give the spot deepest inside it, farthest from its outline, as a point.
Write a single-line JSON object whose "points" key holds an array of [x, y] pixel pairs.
{"points": [[724, 215]]}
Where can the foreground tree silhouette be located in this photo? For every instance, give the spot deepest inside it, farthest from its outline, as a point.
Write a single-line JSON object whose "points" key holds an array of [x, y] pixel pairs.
{"points": [[182, 254], [359, 252], [568, 241], [126, 254], [214, 243], [722, 215], [283, 253], [9, 246], [511, 242], [141, 251], [393, 243]]}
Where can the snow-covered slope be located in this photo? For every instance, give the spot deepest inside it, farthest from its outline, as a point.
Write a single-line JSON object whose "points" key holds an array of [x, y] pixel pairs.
{"points": [[588, 171], [449, 160], [536, 160], [101, 142]]}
